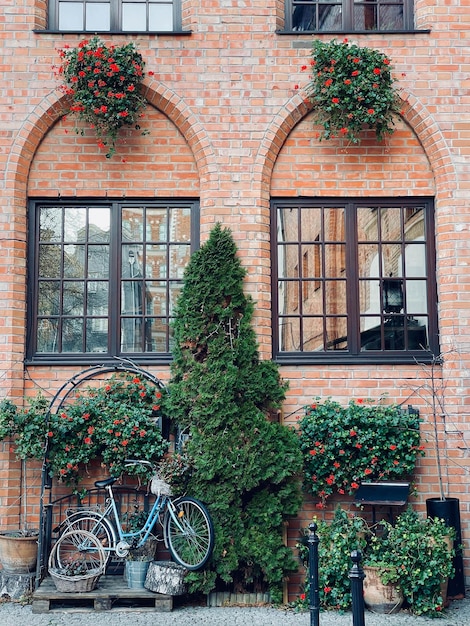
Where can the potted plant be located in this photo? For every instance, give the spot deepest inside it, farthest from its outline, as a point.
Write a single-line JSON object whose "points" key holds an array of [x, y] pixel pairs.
{"points": [[104, 85], [352, 88], [138, 559], [431, 389], [365, 441], [408, 561], [19, 547], [414, 554]]}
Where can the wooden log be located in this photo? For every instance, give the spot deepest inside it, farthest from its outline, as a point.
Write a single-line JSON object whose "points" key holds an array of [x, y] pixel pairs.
{"points": [[166, 577]]}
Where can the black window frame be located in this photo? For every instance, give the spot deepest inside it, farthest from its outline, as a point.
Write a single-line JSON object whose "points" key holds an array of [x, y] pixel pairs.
{"points": [[53, 20], [347, 17], [353, 354], [116, 279]]}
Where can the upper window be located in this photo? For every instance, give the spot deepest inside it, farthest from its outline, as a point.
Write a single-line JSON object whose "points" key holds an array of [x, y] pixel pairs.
{"points": [[106, 276], [354, 280], [320, 16], [115, 15]]}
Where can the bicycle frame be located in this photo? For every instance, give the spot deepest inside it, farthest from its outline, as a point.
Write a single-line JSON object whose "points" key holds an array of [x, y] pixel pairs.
{"points": [[110, 515]]}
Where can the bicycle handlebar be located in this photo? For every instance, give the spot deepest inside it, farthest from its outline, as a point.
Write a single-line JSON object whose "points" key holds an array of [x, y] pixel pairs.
{"points": [[137, 462]]}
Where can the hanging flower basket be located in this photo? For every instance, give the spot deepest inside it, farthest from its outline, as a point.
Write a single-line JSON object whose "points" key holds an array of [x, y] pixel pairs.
{"points": [[104, 83], [352, 88]]}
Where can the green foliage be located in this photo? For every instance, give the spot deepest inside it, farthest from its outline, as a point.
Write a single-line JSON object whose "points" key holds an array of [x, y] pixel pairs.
{"points": [[366, 440], [244, 466], [26, 425], [416, 556], [104, 83], [114, 421], [338, 538], [352, 86]]}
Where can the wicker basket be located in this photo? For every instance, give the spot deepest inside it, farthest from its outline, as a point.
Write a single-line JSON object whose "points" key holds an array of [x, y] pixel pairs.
{"points": [[71, 584], [159, 487]]}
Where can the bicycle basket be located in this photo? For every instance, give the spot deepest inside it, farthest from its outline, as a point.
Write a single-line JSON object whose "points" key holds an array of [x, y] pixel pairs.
{"points": [[159, 487]]}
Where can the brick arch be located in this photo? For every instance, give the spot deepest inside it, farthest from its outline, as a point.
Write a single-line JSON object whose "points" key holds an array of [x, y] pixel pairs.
{"points": [[413, 113], [52, 108]]}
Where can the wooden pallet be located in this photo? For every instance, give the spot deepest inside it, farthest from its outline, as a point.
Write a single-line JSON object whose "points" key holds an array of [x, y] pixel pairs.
{"points": [[111, 593]]}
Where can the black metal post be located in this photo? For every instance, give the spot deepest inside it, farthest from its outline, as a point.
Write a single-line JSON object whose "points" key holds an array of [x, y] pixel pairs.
{"points": [[314, 594], [356, 576]]}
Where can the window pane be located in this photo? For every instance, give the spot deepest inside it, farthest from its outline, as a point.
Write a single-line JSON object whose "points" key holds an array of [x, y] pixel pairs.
{"points": [[390, 222], [72, 335], [157, 335], [416, 301], [367, 226], [179, 258], [48, 332], [334, 224], [98, 16], [312, 334], [289, 334], [180, 225], [156, 225], [97, 335], [369, 297], [73, 298], [50, 261], [392, 260], [70, 16], [99, 225], [49, 297], [132, 224], [158, 303], [134, 16], [155, 261], [415, 260], [174, 292], [289, 302], [287, 224], [97, 297], [75, 224], [391, 17], [98, 262], [74, 261], [336, 333], [368, 260], [330, 17], [335, 301], [335, 261], [50, 224], [161, 17]]}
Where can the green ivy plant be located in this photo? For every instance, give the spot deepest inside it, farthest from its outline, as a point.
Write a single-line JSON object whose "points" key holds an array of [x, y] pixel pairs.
{"points": [[104, 85], [413, 553], [365, 441], [351, 87], [114, 421], [337, 538]]}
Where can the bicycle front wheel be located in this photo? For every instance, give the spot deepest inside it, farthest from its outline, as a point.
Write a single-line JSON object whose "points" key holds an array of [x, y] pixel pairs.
{"points": [[190, 533]]}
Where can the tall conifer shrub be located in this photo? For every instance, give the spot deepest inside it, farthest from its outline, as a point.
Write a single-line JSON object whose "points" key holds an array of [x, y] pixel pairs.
{"points": [[244, 467]]}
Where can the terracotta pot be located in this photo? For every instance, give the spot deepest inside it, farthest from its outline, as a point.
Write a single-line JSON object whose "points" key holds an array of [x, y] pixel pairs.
{"points": [[18, 554], [380, 598]]}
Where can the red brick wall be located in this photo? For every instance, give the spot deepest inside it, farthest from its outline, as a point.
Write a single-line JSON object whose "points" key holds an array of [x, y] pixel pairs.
{"points": [[226, 124]]}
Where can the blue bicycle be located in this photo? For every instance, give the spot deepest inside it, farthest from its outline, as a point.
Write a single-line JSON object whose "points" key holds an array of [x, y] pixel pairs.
{"points": [[188, 531]]}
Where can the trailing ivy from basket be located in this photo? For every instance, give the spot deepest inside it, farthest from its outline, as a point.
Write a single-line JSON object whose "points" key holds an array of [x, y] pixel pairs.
{"points": [[352, 87], [104, 84]]}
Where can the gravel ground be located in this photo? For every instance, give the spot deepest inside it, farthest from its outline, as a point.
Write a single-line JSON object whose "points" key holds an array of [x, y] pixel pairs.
{"points": [[14, 614]]}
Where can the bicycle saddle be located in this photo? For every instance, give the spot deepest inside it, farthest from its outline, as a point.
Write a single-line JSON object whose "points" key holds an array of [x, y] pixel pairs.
{"points": [[101, 484]]}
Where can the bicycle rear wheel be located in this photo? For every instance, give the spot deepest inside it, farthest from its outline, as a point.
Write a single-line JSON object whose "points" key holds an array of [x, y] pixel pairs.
{"points": [[190, 533], [77, 546], [99, 526]]}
